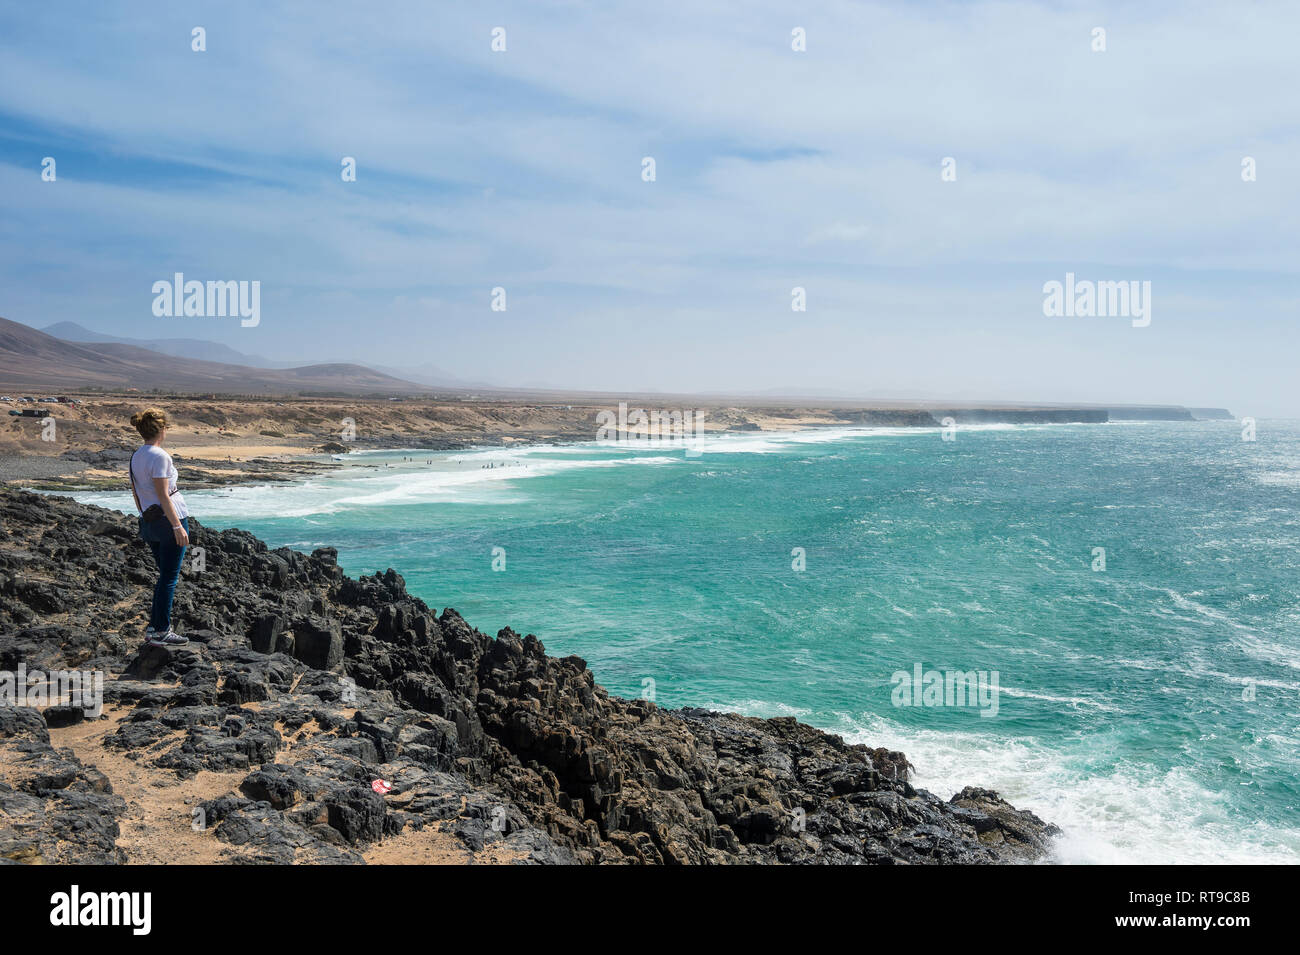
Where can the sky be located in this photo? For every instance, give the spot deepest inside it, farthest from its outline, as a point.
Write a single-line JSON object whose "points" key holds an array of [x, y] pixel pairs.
{"points": [[775, 168]]}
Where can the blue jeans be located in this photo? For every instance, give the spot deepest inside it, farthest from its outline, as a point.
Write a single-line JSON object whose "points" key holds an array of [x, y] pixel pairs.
{"points": [[167, 554]]}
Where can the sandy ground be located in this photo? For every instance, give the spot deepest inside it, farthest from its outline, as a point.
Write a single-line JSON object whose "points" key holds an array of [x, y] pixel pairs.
{"points": [[431, 846], [235, 452], [158, 830], [158, 827]]}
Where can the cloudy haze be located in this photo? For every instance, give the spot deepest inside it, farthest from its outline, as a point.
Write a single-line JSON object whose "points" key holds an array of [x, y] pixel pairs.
{"points": [[774, 169]]}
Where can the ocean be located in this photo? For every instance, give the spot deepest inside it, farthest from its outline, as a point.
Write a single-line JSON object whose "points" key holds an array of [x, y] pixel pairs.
{"points": [[1132, 588]]}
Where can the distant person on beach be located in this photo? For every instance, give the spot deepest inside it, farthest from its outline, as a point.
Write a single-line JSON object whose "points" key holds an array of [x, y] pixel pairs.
{"points": [[164, 521]]}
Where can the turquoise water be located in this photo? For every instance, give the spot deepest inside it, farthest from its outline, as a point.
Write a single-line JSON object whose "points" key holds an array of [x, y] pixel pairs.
{"points": [[1149, 708]]}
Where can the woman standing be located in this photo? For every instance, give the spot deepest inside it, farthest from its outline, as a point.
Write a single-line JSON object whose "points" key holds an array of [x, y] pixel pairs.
{"points": [[164, 521]]}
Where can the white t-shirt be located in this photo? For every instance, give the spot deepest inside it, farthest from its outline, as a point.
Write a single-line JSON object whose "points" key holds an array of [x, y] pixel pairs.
{"points": [[150, 462]]}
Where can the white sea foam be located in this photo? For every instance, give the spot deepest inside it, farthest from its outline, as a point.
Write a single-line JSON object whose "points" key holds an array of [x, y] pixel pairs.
{"points": [[403, 483], [766, 709], [1279, 478], [379, 478], [1127, 815], [1075, 701]]}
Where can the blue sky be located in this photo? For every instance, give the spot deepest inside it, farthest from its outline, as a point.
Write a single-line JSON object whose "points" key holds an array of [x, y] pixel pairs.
{"points": [[775, 169]]}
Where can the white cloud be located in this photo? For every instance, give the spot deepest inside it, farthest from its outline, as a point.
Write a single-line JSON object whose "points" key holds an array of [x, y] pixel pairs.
{"points": [[522, 169]]}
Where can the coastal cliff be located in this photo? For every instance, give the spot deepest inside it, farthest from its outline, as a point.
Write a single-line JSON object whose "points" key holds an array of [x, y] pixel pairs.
{"points": [[316, 718]]}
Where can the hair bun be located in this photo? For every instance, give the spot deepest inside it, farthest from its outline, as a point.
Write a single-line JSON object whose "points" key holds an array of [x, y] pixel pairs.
{"points": [[150, 422]]}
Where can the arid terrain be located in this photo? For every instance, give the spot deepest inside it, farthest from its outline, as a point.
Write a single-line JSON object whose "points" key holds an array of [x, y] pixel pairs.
{"points": [[223, 440], [235, 440]]}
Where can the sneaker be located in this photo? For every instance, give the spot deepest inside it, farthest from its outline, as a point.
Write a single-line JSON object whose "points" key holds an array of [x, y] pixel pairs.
{"points": [[169, 639]]}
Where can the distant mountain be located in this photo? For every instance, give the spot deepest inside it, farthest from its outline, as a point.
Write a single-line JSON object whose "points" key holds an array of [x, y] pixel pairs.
{"points": [[31, 360], [425, 374], [180, 347]]}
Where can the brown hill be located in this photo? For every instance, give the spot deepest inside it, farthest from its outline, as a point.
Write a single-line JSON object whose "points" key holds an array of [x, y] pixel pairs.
{"points": [[31, 360]]}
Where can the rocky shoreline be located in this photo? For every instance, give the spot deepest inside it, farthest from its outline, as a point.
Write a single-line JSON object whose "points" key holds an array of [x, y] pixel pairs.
{"points": [[319, 719]]}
